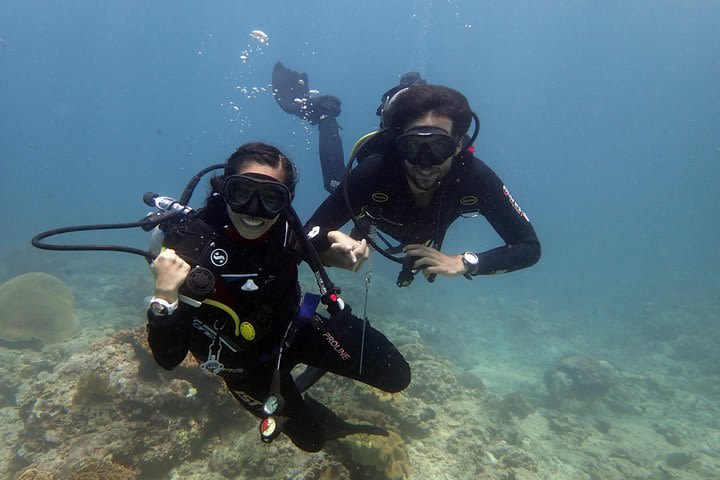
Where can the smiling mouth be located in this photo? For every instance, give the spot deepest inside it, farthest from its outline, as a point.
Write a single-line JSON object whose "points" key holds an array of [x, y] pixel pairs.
{"points": [[252, 222], [425, 174]]}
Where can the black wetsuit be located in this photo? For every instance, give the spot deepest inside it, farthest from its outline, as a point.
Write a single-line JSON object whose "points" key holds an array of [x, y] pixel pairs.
{"points": [[257, 281], [379, 194]]}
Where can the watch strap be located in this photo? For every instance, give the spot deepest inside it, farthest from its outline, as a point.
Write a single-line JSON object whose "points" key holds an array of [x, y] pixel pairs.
{"points": [[161, 307]]}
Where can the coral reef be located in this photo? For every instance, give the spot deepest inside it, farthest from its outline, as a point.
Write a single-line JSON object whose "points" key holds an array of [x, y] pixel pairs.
{"points": [[510, 406], [471, 381], [102, 470], [92, 388], [33, 474], [387, 456], [96, 405], [37, 305], [86, 407], [86, 469], [433, 380], [576, 377]]}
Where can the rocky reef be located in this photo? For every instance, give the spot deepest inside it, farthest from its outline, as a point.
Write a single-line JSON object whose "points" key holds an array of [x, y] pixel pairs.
{"points": [[107, 411], [579, 378], [111, 404]]}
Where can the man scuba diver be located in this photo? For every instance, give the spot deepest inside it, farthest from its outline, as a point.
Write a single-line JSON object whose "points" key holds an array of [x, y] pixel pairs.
{"points": [[413, 179], [253, 329]]}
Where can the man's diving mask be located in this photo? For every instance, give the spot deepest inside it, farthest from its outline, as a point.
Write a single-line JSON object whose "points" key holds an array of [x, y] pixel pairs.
{"points": [[256, 195], [426, 145]]}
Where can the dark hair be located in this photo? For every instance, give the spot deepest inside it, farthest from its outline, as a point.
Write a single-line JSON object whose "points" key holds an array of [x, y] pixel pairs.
{"points": [[257, 152], [263, 154], [418, 100]]}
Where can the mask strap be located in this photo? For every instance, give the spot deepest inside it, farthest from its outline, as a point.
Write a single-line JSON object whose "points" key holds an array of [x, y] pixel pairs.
{"points": [[387, 106]]}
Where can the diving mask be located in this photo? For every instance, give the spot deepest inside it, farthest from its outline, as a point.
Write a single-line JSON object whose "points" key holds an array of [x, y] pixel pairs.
{"points": [[426, 145], [256, 195]]}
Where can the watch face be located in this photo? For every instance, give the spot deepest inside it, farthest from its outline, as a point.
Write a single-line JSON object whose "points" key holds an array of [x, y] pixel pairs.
{"points": [[157, 308], [271, 405], [470, 258]]}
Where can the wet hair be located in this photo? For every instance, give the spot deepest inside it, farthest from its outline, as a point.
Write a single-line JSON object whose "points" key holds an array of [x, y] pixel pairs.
{"points": [[263, 154], [418, 100]]}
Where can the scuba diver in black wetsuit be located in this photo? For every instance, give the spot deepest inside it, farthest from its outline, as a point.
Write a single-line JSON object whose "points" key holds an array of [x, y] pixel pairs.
{"points": [[292, 93], [254, 328], [414, 178]]}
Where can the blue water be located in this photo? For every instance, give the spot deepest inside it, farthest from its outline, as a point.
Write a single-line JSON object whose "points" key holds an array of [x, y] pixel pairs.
{"points": [[603, 118]]}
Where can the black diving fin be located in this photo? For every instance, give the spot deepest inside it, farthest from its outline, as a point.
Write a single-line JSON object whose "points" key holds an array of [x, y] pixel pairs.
{"points": [[292, 92], [290, 89]]}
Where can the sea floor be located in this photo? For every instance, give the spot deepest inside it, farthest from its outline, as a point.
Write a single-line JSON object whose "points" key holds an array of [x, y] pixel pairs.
{"points": [[501, 390]]}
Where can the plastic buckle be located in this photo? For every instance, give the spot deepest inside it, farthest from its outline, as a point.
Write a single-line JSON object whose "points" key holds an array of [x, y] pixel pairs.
{"points": [[212, 364]]}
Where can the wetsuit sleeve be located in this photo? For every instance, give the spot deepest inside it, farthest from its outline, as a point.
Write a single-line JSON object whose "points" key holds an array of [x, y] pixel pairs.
{"points": [[331, 153], [522, 247], [333, 212], [168, 337], [330, 215]]}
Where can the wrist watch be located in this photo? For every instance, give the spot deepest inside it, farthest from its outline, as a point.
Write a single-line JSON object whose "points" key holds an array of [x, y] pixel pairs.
{"points": [[161, 308], [470, 260]]}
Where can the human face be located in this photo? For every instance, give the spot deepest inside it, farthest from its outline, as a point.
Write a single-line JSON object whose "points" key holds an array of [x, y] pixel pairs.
{"points": [[426, 178], [248, 226]]}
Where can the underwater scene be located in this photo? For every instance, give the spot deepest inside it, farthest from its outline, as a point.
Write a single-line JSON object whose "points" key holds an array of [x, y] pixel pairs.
{"points": [[578, 340]]}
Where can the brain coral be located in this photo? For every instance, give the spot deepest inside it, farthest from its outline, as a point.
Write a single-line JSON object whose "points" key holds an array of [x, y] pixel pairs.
{"points": [[37, 305]]}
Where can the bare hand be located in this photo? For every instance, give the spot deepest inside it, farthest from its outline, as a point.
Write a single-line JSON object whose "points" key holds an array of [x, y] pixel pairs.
{"points": [[430, 261], [345, 252], [170, 272]]}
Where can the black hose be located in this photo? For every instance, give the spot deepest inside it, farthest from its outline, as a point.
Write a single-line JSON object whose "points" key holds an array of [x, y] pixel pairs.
{"points": [[324, 283], [190, 188], [147, 224], [37, 239]]}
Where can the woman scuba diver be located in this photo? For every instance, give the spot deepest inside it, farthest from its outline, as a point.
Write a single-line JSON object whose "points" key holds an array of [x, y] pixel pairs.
{"points": [[251, 326]]}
